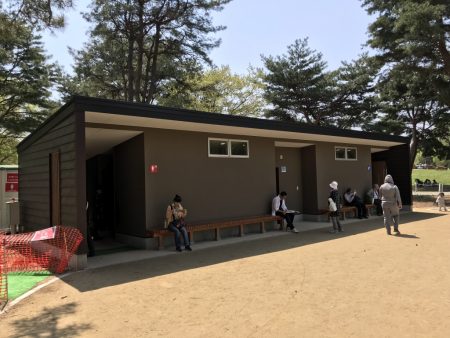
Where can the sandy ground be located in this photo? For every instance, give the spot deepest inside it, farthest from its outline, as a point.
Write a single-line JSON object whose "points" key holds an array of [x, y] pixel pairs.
{"points": [[362, 283]]}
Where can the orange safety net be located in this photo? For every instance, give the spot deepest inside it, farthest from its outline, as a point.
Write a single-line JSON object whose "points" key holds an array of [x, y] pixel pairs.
{"points": [[49, 249], [3, 276]]}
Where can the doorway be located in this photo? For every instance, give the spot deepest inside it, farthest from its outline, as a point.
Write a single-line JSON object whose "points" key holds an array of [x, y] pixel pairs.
{"points": [[100, 196], [379, 172], [288, 175]]}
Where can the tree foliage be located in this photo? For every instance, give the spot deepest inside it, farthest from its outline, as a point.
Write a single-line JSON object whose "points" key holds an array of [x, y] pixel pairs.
{"points": [[37, 14], [414, 32], [412, 40], [219, 90], [137, 47], [354, 98], [300, 87], [297, 85], [410, 105], [25, 79]]}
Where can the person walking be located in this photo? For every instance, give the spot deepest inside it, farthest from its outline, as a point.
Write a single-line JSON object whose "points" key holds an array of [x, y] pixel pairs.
{"points": [[391, 203], [334, 204], [440, 201]]}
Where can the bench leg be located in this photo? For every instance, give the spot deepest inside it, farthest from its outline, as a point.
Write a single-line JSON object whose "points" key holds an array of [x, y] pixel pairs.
{"points": [[160, 242], [191, 237], [241, 230], [263, 229], [217, 234]]}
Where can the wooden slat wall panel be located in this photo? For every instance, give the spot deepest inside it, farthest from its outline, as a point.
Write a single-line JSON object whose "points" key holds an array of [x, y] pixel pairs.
{"points": [[34, 177]]}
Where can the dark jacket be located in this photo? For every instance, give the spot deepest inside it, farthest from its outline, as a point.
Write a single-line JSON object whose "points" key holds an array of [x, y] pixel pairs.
{"points": [[334, 195]]}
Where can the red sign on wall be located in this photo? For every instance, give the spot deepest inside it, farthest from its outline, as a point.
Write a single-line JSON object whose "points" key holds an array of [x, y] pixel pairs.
{"points": [[153, 169], [12, 177], [12, 187]]}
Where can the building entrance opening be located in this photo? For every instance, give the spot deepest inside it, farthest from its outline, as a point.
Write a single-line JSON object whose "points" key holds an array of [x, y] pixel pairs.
{"points": [[100, 196]]}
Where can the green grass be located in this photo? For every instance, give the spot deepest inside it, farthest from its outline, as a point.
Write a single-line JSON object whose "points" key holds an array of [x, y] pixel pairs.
{"points": [[21, 282], [441, 176]]}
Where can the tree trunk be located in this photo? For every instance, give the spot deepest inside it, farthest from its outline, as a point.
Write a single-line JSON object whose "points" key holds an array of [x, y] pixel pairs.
{"points": [[445, 53], [413, 145], [140, 53], [153, 75], [130, 70]]}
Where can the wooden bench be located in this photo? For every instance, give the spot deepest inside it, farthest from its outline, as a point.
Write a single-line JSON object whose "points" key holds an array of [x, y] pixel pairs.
{"points": [[370, 209], [216, 226], [343, 212]]}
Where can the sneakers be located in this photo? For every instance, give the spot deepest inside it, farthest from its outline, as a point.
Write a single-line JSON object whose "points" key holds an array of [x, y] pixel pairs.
{"points": [[188, 248], [397, 232], [341, 230], [333, 231], [294, 230], [179, 249]]}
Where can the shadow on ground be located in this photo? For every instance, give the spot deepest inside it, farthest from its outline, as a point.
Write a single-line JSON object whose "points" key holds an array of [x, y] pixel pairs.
{"points": [[45, 324], [124, 273]]}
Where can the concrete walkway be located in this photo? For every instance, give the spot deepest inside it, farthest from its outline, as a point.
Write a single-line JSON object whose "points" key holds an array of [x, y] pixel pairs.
{"points": [[137, 255]]}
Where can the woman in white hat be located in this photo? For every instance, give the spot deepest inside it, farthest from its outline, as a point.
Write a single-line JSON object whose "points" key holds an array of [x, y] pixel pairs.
{"points": [[334, 203]]}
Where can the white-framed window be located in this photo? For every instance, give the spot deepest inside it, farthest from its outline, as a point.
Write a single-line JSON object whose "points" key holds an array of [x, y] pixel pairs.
{"points": [[345, 153], [218, 147], [239, 148]]}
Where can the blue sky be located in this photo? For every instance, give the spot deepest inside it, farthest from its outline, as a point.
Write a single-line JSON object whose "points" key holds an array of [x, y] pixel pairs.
{"points": [[336, 28]]}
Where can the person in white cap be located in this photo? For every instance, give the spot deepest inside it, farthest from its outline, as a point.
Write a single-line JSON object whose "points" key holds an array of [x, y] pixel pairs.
{"points": [[334, 203], [391, 203]]}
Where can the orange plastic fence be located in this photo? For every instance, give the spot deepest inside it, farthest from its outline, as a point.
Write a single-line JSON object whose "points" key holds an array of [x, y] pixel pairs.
{"points": [[49, 249], [3, 276]]}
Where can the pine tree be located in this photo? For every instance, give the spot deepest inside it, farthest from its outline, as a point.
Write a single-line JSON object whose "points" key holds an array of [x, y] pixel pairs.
{"points": [[25, 79], [298, 86], [137, 46]]}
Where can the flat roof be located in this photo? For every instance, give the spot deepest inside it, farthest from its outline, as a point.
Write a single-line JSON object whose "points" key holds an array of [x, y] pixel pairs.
{"points": [[135, 114]]}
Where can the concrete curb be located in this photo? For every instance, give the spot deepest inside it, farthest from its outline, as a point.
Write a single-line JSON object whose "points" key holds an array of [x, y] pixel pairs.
{"points": [[16, 301]]}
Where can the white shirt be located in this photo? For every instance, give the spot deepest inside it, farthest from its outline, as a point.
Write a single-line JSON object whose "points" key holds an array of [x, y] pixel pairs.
{"points": [[276, 205], [349, 197]]}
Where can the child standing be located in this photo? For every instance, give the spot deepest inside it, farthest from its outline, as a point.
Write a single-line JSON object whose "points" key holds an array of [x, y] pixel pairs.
{"points": [[440, 201]]}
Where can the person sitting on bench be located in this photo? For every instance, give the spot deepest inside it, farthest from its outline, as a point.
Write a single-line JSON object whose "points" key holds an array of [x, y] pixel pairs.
{"points": [[374, 195], [175, 215], [354, 200], [279, 208]]}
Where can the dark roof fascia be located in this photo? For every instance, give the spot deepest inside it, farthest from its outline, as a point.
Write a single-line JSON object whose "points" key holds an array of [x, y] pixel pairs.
{"points": [[178, 114], [86, 103], [58, 116]]}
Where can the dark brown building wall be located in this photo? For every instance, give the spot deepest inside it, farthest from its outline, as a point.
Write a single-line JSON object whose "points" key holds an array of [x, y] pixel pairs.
{"points": [[129, 178], [291, 180], [397, 162], [211, 188], [34, 176], [349, 174], [309, 179]]}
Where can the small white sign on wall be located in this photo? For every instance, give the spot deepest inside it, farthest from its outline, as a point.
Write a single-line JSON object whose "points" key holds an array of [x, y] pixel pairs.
{"points": [[283, 169]]}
